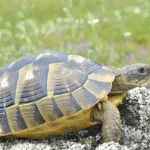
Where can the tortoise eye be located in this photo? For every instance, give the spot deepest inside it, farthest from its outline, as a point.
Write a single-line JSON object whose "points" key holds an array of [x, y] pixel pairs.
{"points": [[141, 70]]}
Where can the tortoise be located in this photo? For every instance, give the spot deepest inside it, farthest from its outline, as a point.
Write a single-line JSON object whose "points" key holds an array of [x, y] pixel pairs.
{"points": [[53, 93]]}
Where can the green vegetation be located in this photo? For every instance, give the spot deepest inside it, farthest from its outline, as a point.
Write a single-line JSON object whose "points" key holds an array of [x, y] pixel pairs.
{"points": [[111, 32]]}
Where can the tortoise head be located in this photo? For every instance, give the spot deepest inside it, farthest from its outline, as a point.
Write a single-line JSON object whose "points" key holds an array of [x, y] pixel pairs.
{"points": [[129, 77]]}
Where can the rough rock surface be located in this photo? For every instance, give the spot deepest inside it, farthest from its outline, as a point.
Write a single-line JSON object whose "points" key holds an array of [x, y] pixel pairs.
{"points": [[135, 113]]}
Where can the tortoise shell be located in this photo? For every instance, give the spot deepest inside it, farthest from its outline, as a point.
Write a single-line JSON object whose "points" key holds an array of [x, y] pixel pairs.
{"points": [[49, 94]]}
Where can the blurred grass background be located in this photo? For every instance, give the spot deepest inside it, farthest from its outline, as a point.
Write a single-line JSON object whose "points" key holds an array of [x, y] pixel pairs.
{"points": [[111, 32]]}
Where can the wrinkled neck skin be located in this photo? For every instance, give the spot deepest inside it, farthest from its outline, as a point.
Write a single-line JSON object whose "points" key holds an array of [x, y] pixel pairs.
{"points": [[121, 87], [120, 84]]}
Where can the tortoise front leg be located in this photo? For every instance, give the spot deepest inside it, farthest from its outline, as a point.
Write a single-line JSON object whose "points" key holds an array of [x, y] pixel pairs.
{"points": [[109, 116]]}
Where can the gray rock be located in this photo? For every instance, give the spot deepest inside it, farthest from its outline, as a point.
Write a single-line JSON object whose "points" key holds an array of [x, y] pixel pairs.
{"points": [[135, 135], [111, 146], [136, 121]]}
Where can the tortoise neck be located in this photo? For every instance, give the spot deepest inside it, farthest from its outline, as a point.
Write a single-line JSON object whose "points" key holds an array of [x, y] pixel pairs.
{"points": [[118, 87]]}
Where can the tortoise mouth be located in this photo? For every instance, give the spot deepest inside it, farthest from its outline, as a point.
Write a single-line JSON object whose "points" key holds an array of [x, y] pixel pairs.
{"points": [[142, 81]]}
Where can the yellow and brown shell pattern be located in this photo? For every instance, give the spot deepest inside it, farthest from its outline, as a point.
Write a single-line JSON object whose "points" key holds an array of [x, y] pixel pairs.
{"points": [[42, 95]]}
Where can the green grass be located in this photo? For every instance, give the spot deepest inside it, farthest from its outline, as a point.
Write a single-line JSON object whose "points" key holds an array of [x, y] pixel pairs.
{"points": [[111, 32]]}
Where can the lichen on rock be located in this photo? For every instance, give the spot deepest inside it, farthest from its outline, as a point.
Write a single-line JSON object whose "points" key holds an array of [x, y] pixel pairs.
{"points": [[136, 123]]}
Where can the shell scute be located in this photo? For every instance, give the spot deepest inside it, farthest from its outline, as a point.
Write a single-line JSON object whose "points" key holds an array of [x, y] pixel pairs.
{"points": [[84, 98], [99, 89], [4, 127], [8, 89], [67, 104], [15, 119], [21, 62], [49, 109], [35, 78], [51, 57], [31, 115]]}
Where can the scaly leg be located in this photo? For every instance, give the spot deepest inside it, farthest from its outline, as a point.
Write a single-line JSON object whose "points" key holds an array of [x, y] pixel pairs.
{"points": [[109, 116]]}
